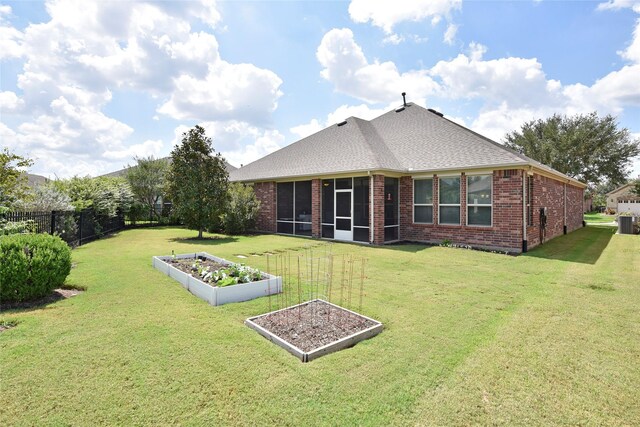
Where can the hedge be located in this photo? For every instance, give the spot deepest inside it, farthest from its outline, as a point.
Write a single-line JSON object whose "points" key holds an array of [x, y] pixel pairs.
{"points": [[32, 266]]}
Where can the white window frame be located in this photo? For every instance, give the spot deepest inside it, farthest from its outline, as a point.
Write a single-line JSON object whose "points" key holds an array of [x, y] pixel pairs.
{"points": [[459, 205], [478, 205], [422, 204]]}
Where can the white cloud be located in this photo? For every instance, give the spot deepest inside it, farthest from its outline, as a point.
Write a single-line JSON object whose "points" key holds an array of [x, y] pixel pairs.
{"points": [[146, 149], [620, 4], [361, 111], [450, 34], [346, 66], [10, 38], [10, 103], [238, 142], [386, 14], [88, 51], [243, 92]]}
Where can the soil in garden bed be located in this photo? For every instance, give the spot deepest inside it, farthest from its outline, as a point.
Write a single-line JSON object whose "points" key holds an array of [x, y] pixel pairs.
{"points": [[314, 324], [184, 265]]}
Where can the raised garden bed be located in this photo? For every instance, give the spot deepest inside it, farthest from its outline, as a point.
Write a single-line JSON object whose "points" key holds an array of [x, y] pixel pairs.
{"points": [[215, 295], [314, 328]]}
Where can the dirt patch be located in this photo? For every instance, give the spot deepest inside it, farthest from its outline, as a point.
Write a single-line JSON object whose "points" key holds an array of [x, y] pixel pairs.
{"points": [[314, 324], [56, 295]]}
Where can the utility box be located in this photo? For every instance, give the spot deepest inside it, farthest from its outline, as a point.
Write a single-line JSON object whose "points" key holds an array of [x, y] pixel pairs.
{"points": [[627, 224]]}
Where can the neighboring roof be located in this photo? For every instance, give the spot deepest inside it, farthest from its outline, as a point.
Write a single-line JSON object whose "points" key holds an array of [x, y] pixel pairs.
{"points": [[36, 180], [620, 189], [123, 172], [407, 140]]}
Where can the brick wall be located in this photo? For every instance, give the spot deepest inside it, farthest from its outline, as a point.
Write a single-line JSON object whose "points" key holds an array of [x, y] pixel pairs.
{"points": [[266, 193], [316, 208], [505, 233], [550, 193]]}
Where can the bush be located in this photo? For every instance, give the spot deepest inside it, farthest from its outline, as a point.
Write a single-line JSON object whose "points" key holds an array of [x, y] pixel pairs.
{"points": [[33, 265], [242, 210], [17, 227]]}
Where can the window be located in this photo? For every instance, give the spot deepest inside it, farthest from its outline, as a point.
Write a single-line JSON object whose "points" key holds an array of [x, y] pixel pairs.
{"points": [[423, 201], [449, 200], [361, 209], [327, 208], [294, 208], [479, 200], [391, 209]]}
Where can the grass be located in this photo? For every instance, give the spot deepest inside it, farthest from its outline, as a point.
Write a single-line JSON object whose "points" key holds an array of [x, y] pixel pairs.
{"points": [[551, 337], [596, 217]]}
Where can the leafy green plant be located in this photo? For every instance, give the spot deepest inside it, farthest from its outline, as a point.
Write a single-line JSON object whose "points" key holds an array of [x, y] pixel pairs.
{"points": [[242, 209], [33, 265]]}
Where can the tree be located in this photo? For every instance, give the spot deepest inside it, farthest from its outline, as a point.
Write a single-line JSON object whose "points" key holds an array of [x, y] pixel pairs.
{"points": [[147, 181], [13, 180], [242, 209], [586, 147], [636, 187], [46, 198], [197, 181], [105, 195]]}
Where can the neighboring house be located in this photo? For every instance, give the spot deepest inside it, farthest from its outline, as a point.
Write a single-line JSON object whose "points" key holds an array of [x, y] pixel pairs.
{"points": [[123, 172], [629, 203], [588, 205], [411, 175], [36, 180], [613, 196]]}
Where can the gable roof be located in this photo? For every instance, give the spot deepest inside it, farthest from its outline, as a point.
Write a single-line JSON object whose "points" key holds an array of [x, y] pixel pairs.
{"points": [[407, 140], [622, 188]]}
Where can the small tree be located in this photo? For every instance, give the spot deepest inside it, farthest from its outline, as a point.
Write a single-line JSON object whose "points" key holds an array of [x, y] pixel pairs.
{"points": [[197, 181], [147, 181], [45, 198], [586, 147], [242, 210], [13, 180]]}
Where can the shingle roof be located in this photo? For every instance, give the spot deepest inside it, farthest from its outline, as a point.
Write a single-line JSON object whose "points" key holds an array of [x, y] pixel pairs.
{"points": [[123, 172], [407, 140]]}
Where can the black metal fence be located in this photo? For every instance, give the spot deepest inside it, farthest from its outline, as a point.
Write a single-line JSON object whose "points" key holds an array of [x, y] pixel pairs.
{"points": [[75, 228], [143, 216]]}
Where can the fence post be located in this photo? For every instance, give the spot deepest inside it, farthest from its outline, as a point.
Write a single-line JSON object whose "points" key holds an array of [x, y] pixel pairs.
{"points": [[80, 228], [53, 222]]}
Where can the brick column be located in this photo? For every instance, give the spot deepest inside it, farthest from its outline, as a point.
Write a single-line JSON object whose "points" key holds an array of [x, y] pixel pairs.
{"points": [[378, 209], [316, 208], [266, 194]]}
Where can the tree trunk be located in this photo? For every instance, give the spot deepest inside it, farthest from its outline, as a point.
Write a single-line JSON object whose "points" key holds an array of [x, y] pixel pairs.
{"points": [[200, 234]]}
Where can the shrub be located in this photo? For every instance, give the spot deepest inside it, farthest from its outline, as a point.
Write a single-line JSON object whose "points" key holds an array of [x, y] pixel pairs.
{"points": [[242, 210], [33, 265], [17, 227]]}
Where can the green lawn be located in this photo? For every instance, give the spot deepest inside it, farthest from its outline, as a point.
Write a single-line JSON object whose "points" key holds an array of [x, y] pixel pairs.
{"points": [[548, 338], [598, 218]]}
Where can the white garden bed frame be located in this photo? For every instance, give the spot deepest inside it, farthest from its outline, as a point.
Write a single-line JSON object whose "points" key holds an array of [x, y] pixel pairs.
{"points": [[215, 295], [308, 356]]}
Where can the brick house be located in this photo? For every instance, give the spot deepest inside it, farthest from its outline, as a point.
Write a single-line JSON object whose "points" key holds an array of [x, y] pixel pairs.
{"points": [[411, 175]]}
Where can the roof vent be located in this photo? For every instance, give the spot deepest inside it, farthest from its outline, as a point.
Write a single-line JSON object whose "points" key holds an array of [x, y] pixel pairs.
{"points": [[437, 113], [404, 99], [342, 123], [399, 109]]}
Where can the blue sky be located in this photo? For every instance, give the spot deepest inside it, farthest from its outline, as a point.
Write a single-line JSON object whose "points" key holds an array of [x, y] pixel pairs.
{"points": [[86, 86]]}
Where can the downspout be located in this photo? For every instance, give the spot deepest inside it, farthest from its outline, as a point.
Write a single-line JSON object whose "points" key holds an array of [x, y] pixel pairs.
{"points": [[564, 227], [371, 230], [525, 178]]}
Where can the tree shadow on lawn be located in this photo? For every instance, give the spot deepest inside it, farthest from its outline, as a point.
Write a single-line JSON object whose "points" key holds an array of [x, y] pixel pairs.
{"points": [[206, 241], [583, 246], [67, 291]]}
